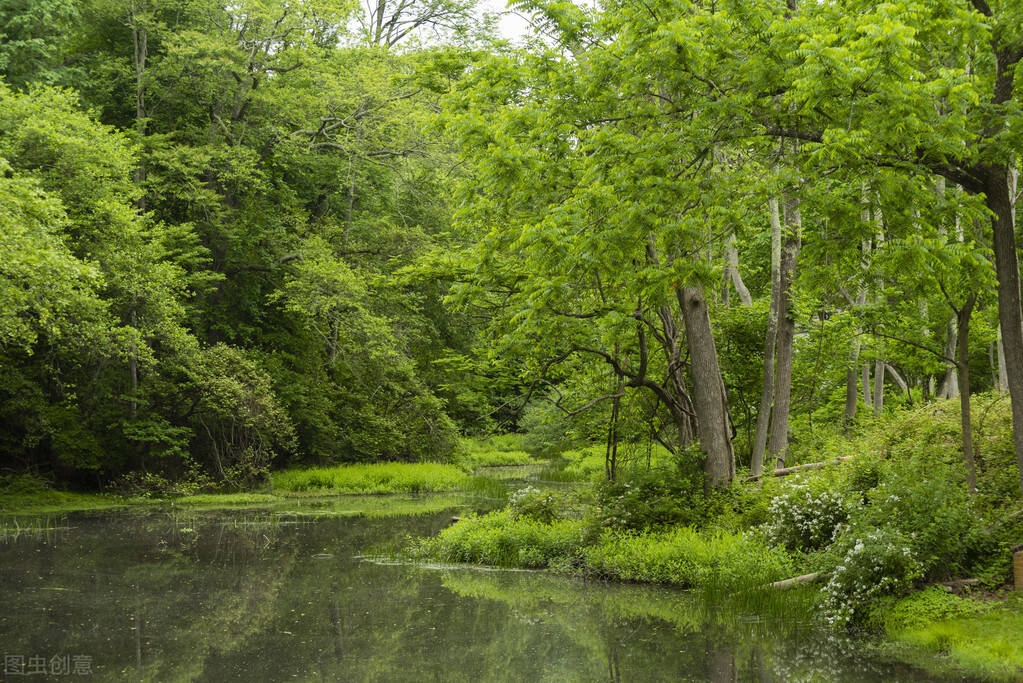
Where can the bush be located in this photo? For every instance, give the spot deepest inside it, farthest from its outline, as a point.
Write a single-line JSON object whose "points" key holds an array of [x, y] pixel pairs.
{"points": [[806, 516], [668, 495], [872, 565], [532, 503]]}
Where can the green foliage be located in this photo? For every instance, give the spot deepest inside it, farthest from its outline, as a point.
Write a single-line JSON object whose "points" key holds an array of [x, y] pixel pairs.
{"points": [[921, 609], [530, 502], [669, 494], [503, 539], [979, 639], [715, 561], [869, 566], [372, 478], [243, 425]]}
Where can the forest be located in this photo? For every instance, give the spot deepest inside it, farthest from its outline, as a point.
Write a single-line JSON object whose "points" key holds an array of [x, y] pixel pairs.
{"points": [[673, 250]]}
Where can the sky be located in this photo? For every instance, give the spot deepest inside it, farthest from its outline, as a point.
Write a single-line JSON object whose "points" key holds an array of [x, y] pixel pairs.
{"points": [[512, 26]]}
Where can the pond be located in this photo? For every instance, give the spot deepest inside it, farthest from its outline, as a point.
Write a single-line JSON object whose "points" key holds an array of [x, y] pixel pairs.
{"points": [[270, 595]]}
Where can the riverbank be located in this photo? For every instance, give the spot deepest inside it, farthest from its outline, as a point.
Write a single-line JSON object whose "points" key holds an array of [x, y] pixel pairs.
{"points": [[935, 630], [883, 515]]}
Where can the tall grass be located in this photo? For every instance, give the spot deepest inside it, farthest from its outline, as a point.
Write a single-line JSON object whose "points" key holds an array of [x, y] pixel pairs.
{"points": [[717, 562], [503, 540], [712, 560], [373, 478], [498, 459]]}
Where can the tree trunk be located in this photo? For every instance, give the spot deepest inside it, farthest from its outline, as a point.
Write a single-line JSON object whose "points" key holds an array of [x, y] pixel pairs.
{"points": [[1003, 379], [879, 367], [779, 440], [950, 383], [770, 340], [732, 259], [851, 390], [1000, 202], [898, 379], [963, 324], [709, 401], [868, 397]]}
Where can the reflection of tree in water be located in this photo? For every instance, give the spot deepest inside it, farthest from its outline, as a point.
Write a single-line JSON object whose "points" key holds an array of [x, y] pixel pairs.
{"points": [[224, 596]]}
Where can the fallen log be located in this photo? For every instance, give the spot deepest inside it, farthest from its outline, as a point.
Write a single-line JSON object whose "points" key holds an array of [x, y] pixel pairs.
{"points": [[786, 471], [796, 581]]}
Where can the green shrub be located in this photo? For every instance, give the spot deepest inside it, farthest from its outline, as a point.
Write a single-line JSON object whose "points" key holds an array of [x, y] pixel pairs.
{"points": [[18, 484], [532, 503], [872, 565], [670, 494]]}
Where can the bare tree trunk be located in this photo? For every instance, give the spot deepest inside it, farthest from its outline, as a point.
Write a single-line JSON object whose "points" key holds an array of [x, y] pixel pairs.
{"points": [[850, 385], [898, 379], [963, 321], [732, 259], [770, 341], [1000, 201], [879, 367], [709, 400], [851, 390], [778, 444], [950, 382], [868, 397]]}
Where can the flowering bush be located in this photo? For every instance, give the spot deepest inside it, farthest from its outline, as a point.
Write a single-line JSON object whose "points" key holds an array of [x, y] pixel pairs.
{"points": [[531, 503], [875, 564], [803, 518]]}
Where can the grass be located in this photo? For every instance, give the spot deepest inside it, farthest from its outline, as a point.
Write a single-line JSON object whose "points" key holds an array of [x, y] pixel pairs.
{"points": [[50, 501], [934, 631], [227, 499], [713, 561], [495, 442], [587, 464], [373, 478], [498, 459], [486, 489], [501, 539]]}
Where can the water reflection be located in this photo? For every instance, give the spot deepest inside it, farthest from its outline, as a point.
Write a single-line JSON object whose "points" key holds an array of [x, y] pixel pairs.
{"points": [[261, 596]]}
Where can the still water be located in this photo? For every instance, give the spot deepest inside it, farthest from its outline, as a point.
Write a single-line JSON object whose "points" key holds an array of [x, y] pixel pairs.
{"points": [[263, 595]]}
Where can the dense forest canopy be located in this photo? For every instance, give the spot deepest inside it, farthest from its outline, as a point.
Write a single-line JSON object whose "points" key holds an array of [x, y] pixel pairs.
{"points": [[242, 235]]}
